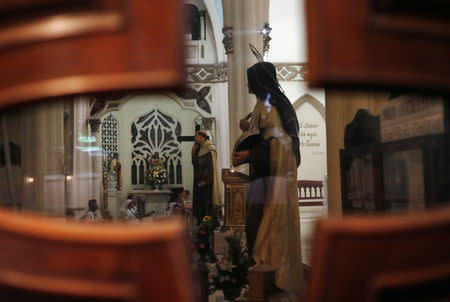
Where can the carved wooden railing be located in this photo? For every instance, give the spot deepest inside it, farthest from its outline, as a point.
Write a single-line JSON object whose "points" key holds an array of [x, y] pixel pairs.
{"points": [[310, 190]]}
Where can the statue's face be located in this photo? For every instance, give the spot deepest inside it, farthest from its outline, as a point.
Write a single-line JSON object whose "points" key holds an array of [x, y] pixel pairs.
{"points": [[196, 138], [199, 139]]}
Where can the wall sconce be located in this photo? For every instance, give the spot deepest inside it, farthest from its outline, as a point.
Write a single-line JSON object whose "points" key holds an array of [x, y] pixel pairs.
{"points": [[265, 31], [69, 178], [29, 180]]}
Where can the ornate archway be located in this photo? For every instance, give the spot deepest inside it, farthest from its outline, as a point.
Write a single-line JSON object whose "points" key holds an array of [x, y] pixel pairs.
{"points": [[307, 98]]}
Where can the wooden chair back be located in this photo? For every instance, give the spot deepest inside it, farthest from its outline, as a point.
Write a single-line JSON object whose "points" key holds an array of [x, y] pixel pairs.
{"points": [[392, 258], [70, 47], [50, 259]]}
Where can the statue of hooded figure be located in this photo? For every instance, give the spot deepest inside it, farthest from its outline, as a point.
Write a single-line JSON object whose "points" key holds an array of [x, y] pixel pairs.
{"points": [[116, 167], [206, 195], [272, 222]]}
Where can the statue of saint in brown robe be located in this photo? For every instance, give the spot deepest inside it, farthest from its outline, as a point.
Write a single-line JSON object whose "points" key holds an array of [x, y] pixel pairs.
{"points": [[206, 194]]}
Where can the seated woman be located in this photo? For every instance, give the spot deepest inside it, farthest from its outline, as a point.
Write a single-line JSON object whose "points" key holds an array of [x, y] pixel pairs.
{"points": [[176, 204], [129, 210], [186, 195], [92, 214]]}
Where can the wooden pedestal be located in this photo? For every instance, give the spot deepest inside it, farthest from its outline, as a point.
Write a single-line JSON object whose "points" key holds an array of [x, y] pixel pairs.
{"points": [[262, 283], [235, 199]]}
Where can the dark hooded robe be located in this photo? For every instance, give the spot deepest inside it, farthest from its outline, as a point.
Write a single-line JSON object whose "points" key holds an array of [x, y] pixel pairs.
{"points": [[206, 198], [272, 222]]}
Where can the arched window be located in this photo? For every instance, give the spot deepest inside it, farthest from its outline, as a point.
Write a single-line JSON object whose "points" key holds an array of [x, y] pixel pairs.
{"points": [[110, 138], [192, 21]]}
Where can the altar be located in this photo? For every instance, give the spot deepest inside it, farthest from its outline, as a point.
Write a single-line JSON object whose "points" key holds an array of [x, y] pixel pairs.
{"points": [[153, 200]]}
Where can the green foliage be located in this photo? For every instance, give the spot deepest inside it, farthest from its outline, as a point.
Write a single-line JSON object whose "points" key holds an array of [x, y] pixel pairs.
{"points": [[232, 269], [201, 237]]}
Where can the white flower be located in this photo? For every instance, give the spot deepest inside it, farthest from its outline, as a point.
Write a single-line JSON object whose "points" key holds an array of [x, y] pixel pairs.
{"points": [[226, 265], [212, 268]]}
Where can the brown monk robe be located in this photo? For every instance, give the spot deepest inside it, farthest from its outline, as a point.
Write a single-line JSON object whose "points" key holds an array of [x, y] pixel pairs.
{"points": [[206, 195]]}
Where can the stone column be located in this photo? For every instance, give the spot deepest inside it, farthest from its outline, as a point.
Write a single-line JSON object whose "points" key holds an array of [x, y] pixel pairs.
{"points": [[48, 158], [243, 21], [109, 200], [97, 159]]}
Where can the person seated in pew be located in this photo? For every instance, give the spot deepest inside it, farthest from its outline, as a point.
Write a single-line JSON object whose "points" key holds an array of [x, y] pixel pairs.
{"points": [[69, 214], [92, 214], [176, 204], [134, 208], [130, 207], [128, 211], [186, 194]]}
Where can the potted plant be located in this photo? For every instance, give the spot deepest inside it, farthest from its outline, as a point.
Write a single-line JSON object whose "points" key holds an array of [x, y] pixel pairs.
{"points": [[230, 272], [202, 236], [202, 254]]}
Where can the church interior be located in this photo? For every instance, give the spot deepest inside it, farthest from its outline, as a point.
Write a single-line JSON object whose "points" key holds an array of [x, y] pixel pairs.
{"points": [[122, 125]]}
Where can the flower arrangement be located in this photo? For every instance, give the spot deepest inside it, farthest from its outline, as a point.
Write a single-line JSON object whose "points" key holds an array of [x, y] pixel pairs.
{"points": [[157, 176], [231, 270], [201, 236]]}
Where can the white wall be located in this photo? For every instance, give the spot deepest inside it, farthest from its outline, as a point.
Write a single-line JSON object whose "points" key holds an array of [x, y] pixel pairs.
{"points": [[296, 89], [140, 105], [286, 17], [220, 111], [312, 143]]}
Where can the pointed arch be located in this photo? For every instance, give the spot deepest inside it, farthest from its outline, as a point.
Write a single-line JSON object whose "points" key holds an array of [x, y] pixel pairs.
{"points": [[186, 104], [217, 29], [307, 98]]}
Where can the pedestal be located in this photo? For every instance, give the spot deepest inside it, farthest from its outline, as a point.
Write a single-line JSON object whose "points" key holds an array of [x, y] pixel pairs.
{"points": [[219, 243], [262, 283], [235, 199], [114, 203]]}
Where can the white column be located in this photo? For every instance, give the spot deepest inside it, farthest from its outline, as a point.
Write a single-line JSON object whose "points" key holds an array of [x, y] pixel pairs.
{"points": [[48, 160], [220, 110], [97, 162], [246, 17], [28, 158], [82, 184]]}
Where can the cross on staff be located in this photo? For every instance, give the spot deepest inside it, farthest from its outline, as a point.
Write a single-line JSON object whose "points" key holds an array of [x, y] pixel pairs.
{"points": [[188, 138]]}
